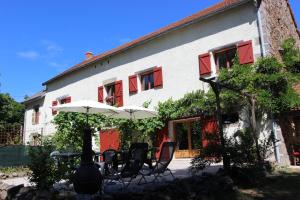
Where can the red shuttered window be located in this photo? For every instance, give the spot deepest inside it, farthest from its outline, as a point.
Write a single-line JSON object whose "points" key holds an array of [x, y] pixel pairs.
{"points": [[204, 64], [245, 52], [68, 100], [54, 103], [65, 100], [119, 93], [158, 77], [133, 84], [100, 94]]}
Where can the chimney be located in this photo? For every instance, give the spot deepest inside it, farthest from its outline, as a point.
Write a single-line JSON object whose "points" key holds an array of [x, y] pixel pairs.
{"points": [[88, 55]]}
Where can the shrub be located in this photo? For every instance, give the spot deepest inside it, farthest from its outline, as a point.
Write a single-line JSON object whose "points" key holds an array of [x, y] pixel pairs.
{"points": [[241, 151], [44, 173]]}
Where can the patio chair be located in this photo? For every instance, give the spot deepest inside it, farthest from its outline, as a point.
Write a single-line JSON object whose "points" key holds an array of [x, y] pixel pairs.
{"points": [[135, 146], [110, 162], [161, 166], [132, 166], [296, 154]]}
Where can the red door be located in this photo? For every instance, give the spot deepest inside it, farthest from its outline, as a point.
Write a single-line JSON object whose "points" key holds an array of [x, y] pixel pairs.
{"points": [[109, 139]]}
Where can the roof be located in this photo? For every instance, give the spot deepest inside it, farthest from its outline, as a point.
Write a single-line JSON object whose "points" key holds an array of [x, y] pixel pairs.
{"points": [[36, 96], [217, 8]]}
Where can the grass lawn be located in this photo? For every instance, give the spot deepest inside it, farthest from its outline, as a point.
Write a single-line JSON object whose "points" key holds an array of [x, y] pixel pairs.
{"points": [[283, 184]]}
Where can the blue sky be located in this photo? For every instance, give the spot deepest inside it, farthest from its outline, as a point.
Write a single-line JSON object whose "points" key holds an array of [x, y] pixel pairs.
{"points": [[39, 39]]}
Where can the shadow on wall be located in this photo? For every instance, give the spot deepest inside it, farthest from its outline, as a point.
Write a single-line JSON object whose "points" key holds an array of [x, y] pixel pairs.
{"points": [[208, 27]]}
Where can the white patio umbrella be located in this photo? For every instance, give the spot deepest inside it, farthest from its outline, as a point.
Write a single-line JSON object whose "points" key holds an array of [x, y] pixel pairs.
{"points": [[87, 178], [88, 107], [135, 112]]}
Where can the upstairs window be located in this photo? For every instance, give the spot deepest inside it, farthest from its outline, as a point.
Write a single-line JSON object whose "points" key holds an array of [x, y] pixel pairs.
{"points": [[110, 91], [224, 58], [114, 94], [61, 101], [147, 80], [35, 115], [65, 100]]}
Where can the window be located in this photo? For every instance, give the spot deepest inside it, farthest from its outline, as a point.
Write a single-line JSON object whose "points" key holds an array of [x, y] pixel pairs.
{"points": [[65, 100], [35, 115], [225, 57], [147, 81], [110, 98], [297, 126]]}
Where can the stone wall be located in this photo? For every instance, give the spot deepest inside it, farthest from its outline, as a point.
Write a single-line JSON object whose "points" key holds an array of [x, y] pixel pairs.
{"points": [[278, 23]]}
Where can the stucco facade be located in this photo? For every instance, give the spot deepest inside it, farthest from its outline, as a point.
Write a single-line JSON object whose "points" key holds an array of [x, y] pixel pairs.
{"points": [[176, 52]]}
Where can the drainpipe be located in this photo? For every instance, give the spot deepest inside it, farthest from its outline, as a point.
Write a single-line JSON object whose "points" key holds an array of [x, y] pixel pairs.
{"points": [[260, 30], [264, 54]]}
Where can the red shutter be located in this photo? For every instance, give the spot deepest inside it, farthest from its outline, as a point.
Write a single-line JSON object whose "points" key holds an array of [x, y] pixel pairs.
{"points": [[33, 118], [245, 52], [158, 77], [133, 84], [204, 64], [100, 94], [54, 103], [68, 100], [119, 93], [37, 117]]}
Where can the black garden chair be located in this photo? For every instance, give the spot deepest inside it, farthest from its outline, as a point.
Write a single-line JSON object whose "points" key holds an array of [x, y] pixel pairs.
{"points": [[161, 166], [110, 162], [132, 167]]}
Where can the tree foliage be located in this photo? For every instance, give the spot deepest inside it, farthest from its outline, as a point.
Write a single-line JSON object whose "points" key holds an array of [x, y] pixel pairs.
{"points": [[291, 55], [69, 129], [265, 87], [11, 112]]}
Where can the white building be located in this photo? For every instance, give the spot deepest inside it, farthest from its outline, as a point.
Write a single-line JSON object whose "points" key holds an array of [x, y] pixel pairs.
{"points": [[167, 63]]}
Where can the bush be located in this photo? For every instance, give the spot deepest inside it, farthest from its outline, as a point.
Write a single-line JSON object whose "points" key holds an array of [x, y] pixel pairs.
{"points": [[212, 153], [44, 173], [242, 154]]}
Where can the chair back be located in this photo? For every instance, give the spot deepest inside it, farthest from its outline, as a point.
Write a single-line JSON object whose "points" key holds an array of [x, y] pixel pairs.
{"points": [[109, 156], [110, 159], [136, 161], [166, 155], [136, 149]]}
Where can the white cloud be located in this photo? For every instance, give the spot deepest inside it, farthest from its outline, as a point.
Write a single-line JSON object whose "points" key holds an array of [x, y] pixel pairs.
{"points": [[51, 46], [28, 54], [124, 40]]}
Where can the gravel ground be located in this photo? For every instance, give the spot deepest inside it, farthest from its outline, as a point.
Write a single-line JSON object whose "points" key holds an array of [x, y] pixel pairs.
{"points": [[17, 181], [179, 167]]}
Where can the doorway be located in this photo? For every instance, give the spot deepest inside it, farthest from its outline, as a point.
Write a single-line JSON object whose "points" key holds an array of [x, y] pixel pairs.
{"points": [[188, 137]]}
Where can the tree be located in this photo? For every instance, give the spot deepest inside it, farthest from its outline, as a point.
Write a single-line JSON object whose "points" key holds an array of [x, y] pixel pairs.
{"points": [[291, 55], [265, 88], [69, 129], [11, 112]]}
